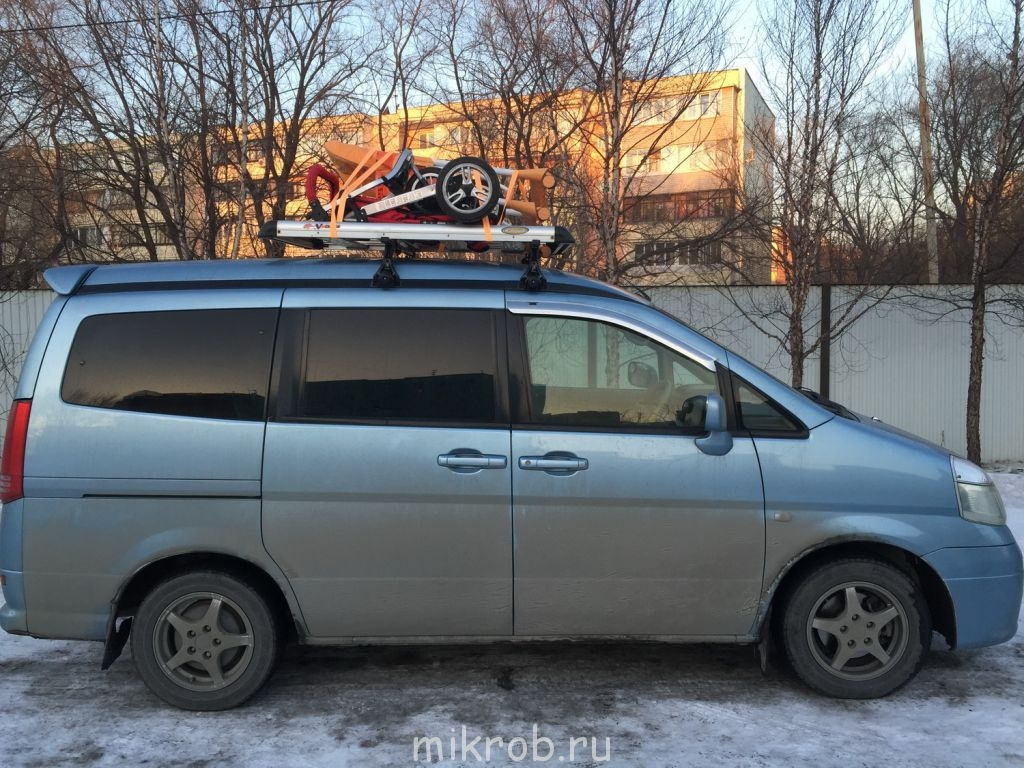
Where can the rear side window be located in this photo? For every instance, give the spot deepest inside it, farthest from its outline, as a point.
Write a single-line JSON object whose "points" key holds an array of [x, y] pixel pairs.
{"points": [[433, 365], [211, 364]]}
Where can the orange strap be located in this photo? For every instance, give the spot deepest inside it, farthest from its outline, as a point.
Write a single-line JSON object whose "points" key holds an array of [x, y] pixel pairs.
{"points": [[509, 194], [355, 179], [487, 219]]}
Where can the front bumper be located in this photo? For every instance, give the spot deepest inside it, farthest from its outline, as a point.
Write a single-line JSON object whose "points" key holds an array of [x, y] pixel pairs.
{"points": [[986, 585]]}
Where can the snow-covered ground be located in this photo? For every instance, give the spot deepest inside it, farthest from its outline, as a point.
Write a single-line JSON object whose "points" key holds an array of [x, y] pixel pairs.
{"points": [[657, 706]]}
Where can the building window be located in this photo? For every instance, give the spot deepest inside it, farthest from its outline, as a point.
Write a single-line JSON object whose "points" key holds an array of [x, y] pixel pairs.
{"points": [[91, 237], [710, 104], [688, 205], [133, 235], [449, 136], [703, 205], [686, 107], [643, 160], [657, 110], [224, 152], [161, 234], [672, 253], [652, 208], [254, 153], [291, 189]]}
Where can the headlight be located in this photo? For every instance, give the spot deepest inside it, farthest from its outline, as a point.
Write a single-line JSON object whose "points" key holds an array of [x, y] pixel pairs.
{"points": [[979, 500]]}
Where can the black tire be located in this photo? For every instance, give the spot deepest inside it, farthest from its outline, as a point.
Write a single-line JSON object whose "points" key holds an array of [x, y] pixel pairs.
{"points": [[234, 637], [467, 189], [856, 629]]}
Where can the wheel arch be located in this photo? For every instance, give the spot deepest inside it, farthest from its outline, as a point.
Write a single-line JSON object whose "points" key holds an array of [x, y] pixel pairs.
{"points": [[134, 589], [933, 589]]}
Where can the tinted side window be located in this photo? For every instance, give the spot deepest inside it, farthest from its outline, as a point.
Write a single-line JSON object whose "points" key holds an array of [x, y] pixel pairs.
{"points": [[206, 363], [758, 414], [591, 374], [400, 364]]}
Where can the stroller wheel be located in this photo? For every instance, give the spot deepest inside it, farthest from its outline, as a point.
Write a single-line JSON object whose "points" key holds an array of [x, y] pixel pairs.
{"points": [[467, 189], [423, 178]]}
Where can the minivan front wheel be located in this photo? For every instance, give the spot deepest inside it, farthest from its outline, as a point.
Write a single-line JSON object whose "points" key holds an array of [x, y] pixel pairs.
{"points": [[856, 629], [204, 641]]}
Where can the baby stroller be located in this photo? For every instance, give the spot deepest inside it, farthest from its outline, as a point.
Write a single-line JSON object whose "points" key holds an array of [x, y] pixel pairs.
{"points": [[416, 189]]}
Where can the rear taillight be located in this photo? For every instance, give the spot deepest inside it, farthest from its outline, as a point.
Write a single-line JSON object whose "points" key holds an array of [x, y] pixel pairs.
{"points": [[12, 463]]}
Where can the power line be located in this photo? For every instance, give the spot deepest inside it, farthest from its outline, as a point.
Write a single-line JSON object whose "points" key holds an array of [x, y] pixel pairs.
{"points": [[167, 17]]}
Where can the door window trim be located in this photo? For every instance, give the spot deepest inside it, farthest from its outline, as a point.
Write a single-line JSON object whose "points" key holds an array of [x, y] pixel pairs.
{"points": [[585, 312]]}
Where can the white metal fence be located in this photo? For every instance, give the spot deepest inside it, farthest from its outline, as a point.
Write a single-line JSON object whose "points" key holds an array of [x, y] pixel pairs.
{"points": [[898, 362], [906, 360], [20, 313]]}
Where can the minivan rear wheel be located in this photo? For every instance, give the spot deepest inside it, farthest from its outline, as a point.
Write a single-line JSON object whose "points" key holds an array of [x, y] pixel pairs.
{"points": [[204, 641], [856, 629]]}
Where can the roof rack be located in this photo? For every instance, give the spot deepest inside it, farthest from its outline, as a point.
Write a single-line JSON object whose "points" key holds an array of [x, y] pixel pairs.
{"points": [[414, 237], [395, 238]]}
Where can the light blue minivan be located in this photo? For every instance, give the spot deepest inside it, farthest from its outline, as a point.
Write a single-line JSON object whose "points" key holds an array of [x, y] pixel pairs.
{"points": [[210, 459]]}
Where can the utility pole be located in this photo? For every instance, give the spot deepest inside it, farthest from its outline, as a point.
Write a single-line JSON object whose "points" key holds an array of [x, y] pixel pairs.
{"points": [[931, 235], [243, 142], [825, 359]]}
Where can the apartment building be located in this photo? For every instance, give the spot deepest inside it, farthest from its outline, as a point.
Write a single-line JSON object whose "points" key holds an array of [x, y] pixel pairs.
{"points": [[688, 210], [687, 158]]}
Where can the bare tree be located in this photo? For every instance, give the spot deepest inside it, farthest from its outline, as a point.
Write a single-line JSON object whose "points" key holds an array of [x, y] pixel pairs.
{"points": [[123, 123], [822, 58], [25, 191], [509, 88], [302, 72], [978, 125], [599, 93], [180, 116], [625, 51]]}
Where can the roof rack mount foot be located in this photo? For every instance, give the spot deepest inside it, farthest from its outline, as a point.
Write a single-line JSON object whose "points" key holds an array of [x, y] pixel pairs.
{"points": [[386, 276], [532, 279]]}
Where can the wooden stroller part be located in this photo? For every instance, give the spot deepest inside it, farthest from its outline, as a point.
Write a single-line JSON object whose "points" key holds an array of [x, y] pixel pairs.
{"points": [[348, 157]]}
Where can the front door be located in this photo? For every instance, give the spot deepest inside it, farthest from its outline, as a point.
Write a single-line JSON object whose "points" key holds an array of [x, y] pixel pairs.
{"points": [[622, 525], [386, 490]]}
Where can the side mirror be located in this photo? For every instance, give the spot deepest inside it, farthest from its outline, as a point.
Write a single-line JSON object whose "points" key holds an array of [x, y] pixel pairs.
{"points": [[718, 440], [641, 375]]}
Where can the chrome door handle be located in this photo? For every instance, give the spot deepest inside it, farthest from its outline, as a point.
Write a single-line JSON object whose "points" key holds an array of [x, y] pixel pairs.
{"points": [[553, 463], [472, 461]]}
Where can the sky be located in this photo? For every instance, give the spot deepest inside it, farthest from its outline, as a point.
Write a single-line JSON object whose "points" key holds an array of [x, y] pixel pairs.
{"points": [[746, 41]]}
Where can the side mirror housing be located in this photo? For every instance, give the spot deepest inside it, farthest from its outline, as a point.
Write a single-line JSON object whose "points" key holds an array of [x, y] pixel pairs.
{"points": [[718, 440]]}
